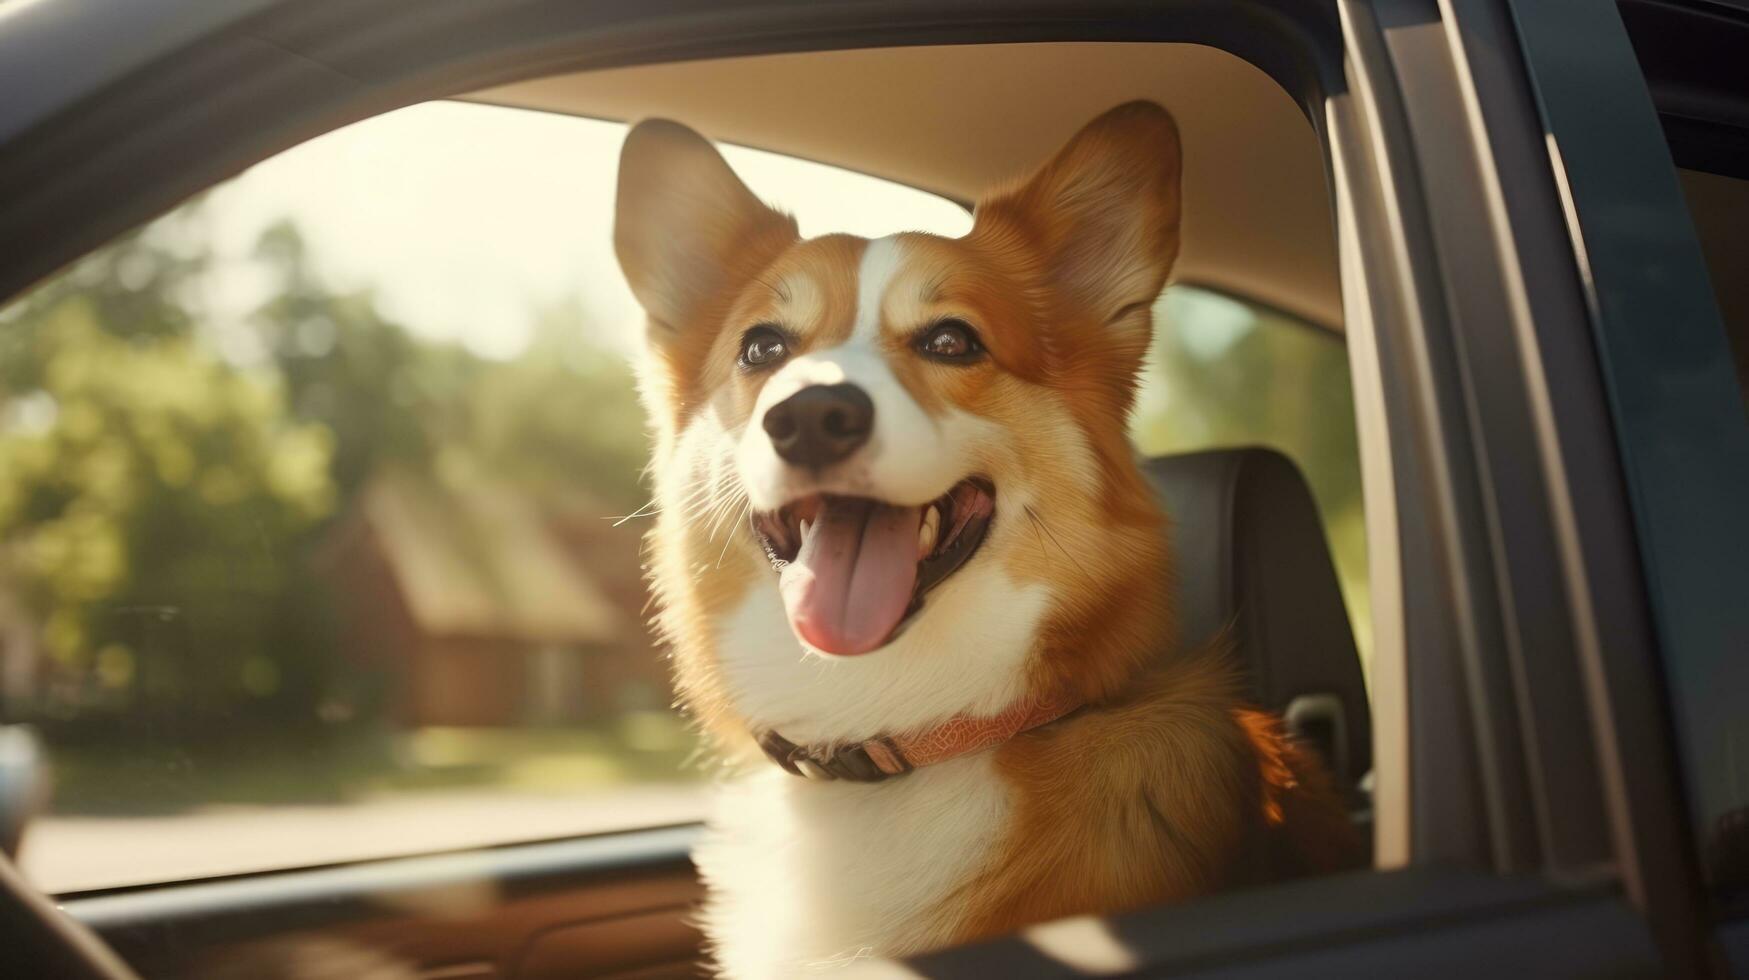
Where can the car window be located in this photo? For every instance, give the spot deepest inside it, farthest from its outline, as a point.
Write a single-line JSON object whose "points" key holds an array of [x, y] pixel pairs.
{"points": [[1225, 371], [321, 499], [320, 507]]}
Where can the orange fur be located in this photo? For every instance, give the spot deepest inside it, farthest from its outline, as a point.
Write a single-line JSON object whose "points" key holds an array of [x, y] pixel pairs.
{"points": [[1168, 792]]}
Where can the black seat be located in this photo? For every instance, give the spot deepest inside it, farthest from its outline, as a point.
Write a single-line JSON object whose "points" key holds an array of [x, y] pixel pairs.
{"points": [[1252, 559]]}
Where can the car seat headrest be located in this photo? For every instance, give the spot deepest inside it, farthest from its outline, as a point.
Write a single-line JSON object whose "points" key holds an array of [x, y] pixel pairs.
{"points": [[1252, 559]]}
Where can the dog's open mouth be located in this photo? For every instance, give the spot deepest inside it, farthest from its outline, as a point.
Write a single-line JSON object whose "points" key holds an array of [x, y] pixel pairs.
{"points": [[854, 571]]}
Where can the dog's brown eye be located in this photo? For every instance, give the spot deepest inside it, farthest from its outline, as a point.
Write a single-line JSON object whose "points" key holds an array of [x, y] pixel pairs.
{"points": [[950, 340], [763, 346]]}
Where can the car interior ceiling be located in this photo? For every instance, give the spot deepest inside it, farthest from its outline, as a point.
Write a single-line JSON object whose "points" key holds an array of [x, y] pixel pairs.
{"points": [[959, 120]]}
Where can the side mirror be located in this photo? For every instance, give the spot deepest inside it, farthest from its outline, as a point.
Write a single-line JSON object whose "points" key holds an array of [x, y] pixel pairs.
{"points": [[24, 784]]}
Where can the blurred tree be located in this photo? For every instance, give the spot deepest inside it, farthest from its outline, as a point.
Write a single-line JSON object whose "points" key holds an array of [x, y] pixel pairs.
{"points": [[158, 501], [150, 495], [563, 416], [1226, 373], [136, 288], [385, 397]]}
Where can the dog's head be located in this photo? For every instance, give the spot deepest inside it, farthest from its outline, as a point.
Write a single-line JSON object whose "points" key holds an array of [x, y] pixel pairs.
{"points": [[893, 475]]}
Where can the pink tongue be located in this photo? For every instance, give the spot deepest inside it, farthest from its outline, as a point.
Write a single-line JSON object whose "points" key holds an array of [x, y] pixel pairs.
{"points": [[852, 578]]}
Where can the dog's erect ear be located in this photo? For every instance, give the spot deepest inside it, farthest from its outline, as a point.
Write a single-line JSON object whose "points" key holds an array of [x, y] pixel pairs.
{"points": [[685, 228], [1103, 212]]}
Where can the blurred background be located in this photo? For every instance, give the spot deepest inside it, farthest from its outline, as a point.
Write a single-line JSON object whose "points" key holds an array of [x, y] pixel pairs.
{"points": [[317, 497]]}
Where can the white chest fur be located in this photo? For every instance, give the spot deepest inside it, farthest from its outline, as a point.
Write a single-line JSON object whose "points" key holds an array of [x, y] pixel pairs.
{"points": [[804, 875]]}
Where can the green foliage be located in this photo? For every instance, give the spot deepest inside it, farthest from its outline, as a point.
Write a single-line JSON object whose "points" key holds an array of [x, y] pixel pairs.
{"points": [[385, 397], [160, 503], [149, 493], [562, 416], [136, 289]]}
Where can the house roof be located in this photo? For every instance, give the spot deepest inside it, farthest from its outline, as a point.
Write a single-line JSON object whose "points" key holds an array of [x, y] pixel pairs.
{"points": [[480, 559]]}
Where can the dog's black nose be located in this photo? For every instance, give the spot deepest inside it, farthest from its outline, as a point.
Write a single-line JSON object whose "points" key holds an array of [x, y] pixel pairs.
{"points": [[820, 424]]}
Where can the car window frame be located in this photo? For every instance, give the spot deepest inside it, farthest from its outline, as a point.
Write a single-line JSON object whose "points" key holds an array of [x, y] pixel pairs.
{"points": [[1703, 113], [1644, 469]]}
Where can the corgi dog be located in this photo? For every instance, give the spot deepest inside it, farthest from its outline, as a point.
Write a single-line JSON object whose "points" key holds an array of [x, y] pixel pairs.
{"points": [[917, 589]]}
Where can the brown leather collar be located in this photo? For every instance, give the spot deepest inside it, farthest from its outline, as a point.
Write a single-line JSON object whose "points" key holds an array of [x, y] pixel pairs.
{"points": [[885, 756]]}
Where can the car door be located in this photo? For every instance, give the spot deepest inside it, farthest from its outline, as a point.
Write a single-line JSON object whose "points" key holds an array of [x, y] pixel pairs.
{"points": [[1493, 230]]}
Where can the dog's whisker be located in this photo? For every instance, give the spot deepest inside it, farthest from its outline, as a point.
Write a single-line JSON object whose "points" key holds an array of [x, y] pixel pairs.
{"points": [[730, 537], [703, 504], [728, 508], [713, 516], [1037, 535], [707, 495], [643, 511], [1040, 525], [727, 521], [700, 509], [696, 497]]}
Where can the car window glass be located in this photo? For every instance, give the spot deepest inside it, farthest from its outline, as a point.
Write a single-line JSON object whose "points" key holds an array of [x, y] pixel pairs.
{"points": [[320, 503], [1227, 372], [318, 497]]}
